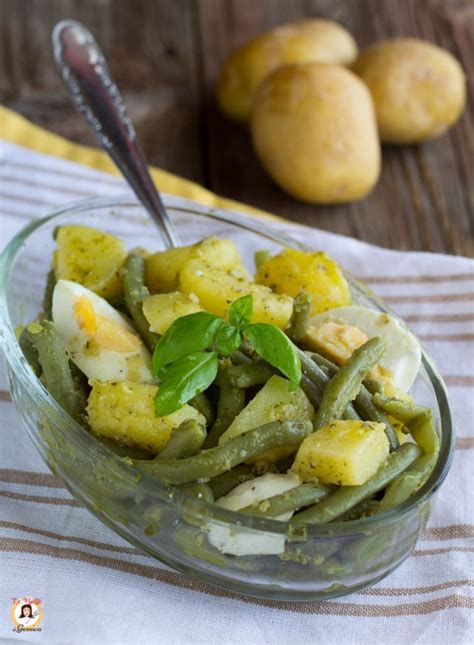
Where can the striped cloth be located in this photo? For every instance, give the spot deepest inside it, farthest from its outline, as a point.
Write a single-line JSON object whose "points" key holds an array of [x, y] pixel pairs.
{"points": [[96, 588]]}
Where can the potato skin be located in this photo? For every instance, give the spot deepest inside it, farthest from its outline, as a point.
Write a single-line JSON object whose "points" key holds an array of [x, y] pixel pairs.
{"points": [[313, 128], [300, 42], [419, 89]]}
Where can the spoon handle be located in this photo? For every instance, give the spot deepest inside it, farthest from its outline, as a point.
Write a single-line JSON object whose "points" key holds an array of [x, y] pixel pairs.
{"points": [[86, 75]]}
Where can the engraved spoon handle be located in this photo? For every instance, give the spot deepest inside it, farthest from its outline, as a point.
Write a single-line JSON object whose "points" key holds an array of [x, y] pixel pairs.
{"points": [[86, 75]]}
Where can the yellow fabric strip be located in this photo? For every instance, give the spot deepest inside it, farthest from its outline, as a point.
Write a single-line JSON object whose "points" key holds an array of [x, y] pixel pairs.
{"points": [[17, 129]]}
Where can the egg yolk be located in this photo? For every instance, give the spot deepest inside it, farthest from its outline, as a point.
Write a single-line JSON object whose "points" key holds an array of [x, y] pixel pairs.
{"points": [[103, 331]]}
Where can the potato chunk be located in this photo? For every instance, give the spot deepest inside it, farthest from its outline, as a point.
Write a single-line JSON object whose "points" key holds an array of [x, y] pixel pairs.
{"points": [[162, 309], [91, 258], [124, 412], [217, 288], [292, 271], [162, 268], [347, 453], [274, 402]]}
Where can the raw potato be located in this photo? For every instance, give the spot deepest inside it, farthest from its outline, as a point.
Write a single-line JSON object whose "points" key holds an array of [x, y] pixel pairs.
{"points": [[162, 309], [91, 258], [217, 288], [346, 453], [313, 128], [419, 89], [274, 402], [316, 40], [292, 271], [124, 412], [162, 268]]}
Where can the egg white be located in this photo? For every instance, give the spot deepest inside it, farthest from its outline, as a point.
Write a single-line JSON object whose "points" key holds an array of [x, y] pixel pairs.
{"points": [[240, 541], [95, 361], [402, 355]]}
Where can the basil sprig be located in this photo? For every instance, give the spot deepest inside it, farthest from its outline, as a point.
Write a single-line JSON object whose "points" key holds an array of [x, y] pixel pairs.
{"points": [[185, 359]]}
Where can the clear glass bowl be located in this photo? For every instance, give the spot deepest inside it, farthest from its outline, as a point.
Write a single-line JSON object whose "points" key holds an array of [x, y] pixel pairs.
{"points": [[321, 561]]}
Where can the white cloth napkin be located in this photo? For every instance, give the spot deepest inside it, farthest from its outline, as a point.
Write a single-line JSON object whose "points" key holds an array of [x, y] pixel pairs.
{"points": [[96, 588]]}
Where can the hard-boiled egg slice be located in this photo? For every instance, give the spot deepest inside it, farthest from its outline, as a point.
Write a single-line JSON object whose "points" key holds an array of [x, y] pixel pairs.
{"points": [[240, 541], [402, 357], [98, 339]]}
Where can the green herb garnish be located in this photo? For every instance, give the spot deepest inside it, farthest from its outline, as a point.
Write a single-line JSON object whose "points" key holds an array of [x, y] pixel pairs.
{"points": [[186, 357]]}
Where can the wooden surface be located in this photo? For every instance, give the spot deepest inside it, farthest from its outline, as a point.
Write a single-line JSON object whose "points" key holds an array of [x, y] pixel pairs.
{"points": [[165, 56]]}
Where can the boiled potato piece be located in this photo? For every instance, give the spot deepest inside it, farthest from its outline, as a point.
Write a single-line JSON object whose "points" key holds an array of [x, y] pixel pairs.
{"points": [[124, 412], [300, 42], [216, 289], [162, 268], [346, 453], [162, 309], [419, 89], [292, 271], [91, 258], [274, 402], [314, 131]]}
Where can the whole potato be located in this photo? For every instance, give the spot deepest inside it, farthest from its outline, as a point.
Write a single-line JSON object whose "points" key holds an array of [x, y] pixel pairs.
{"points": [[300, 42], [313, 128], [418, 88]]}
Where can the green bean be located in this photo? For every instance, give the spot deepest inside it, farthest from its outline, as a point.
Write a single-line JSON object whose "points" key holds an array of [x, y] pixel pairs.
{"points": [[374, 386], [313, 392], [408, 482], [347, 497], [364, 509], [363, 403], [29, 350], [48, 295], [194, 544], [239, 358], [423, 432], [290, 500], [223, 484], [185, 441], [404, 411], [250, 374], [345, 385], [212, 462], [319, 380], [201, 491], [192, 510], [132, 452], [368, 411], [135, 292], [202, 404], [56, 370], [299, 320], [231, 403], [324, 363], [260, 257]]}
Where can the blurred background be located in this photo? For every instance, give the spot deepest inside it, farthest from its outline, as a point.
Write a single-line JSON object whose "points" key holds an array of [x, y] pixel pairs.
{"points": [[166, 56]]}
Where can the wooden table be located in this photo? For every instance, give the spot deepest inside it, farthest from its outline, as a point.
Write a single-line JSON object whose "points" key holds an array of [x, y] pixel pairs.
{"points": [[166, 55]]}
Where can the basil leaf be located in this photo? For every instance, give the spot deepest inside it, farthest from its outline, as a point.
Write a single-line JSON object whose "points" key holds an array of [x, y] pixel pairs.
{"points": [[227, 339], [188, 334], [276, 348], [185, 379], [241, 310]]}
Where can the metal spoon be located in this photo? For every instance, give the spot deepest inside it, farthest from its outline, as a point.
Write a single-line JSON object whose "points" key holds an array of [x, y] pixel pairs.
{"points": [[86, 75]]}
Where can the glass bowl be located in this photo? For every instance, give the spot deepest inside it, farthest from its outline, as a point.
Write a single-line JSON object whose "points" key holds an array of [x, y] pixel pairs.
{"points": [[319, 561]]}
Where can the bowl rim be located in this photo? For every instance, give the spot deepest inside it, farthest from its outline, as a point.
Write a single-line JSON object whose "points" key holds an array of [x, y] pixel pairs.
{"points": [[86, 441]]}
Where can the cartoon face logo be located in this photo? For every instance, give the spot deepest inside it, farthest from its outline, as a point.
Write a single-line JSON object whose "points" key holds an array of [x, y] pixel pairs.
{"points": [[26, 613]]}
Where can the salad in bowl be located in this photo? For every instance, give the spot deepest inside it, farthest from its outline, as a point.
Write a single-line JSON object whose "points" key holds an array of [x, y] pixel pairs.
{"points": [[238, 406]]}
